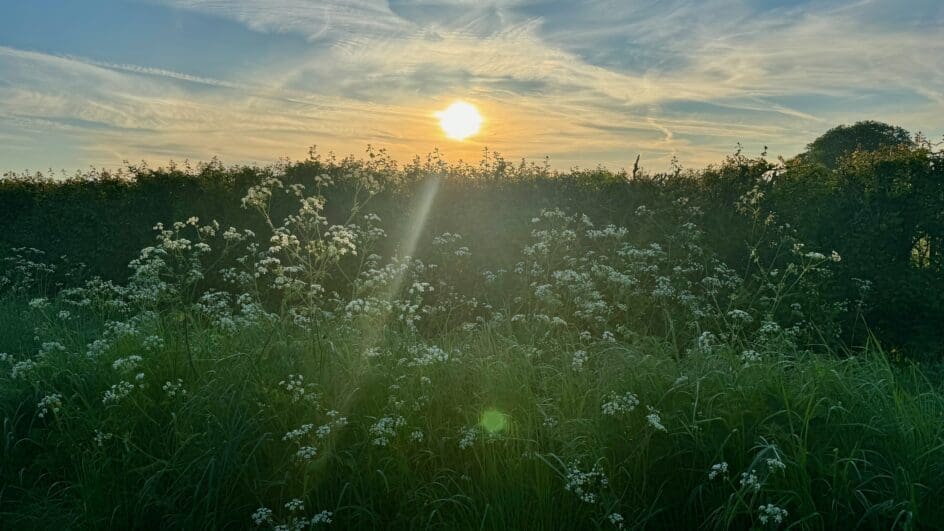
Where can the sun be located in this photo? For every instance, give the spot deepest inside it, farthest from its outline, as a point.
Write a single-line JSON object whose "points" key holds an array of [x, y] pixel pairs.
{"points": [[460, 120]]}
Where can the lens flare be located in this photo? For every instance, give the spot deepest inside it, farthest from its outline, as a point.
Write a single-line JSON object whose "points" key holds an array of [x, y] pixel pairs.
{"points": [[494, 421]]}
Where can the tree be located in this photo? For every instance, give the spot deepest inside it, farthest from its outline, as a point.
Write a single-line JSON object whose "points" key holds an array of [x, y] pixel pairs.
{"points": [[840, 141]]}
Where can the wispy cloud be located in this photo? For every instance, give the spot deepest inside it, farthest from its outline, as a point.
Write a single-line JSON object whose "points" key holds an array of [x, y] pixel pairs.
{"points": [[602, 79]]}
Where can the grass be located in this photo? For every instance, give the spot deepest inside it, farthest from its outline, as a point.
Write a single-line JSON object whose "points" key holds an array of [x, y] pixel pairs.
{"points": [[551, 398]]}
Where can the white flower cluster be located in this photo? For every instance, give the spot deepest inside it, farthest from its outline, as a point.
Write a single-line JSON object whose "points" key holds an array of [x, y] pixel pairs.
{"points": [[770, 513], [654, 419], [586, 485], [296, 388], [306, 453], [617, 520], [385, 429], [579, 359], [22, 369], [262, 515], [324, 517], [620, 404], [750, 481], [173, 389], [117, 392], [468, 438], [774, 464], [127, 364], [424, 356], [718, 469], [49, 403], [750, 356]]}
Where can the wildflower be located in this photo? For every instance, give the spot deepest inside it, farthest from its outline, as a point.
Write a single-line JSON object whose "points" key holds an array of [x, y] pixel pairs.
{"points": [[126, 364], [655, 420], [750, 356], [385, 429], [173, 389], [834, 256], [295, 386], [425, 356], [416, 436], [618, 404], [468, 439], [297, 434], [664, 288], [740, 317], [263, 515], [750, 481], [706, 342], [22, 368], [117, 392], [774, 464], [49, 402], [616, 519], [153, 342], [585, 484], [579, 359], [232, 235], [718, 469], [295, 505], [306, 453], [771, 513], [324, 517]]}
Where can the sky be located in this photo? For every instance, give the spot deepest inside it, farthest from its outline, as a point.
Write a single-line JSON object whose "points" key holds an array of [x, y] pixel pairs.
{"points": [[98, 82]]}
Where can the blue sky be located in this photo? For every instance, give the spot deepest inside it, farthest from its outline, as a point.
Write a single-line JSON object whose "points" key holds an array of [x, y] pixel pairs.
{"points": [[98, 82]]}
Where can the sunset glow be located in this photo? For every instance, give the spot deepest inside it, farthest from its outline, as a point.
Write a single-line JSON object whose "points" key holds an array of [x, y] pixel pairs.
{"points": [[580, 83]]}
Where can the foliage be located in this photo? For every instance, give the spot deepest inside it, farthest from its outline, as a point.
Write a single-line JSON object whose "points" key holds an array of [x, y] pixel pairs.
{"points": [[607, 368], [865, 136], [882, 211]]}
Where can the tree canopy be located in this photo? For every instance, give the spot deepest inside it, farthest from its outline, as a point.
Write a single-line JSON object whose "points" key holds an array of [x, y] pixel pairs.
{"points": [[842, 140]]}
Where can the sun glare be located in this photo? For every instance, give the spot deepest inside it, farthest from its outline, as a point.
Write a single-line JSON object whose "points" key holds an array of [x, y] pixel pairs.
{"points": [[460, 120]]}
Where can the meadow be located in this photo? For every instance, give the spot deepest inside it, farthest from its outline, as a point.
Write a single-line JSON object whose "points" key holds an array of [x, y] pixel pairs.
{"points": [[361, 345]]}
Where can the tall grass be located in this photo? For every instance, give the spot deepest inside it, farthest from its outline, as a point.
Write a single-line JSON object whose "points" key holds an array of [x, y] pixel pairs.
{"points": [[599, 382]]}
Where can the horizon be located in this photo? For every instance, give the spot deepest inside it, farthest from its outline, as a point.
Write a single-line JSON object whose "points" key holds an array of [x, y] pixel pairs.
{"points": [[595, 84]]}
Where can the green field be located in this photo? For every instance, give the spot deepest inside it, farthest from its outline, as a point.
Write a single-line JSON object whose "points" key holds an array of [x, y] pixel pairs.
{"points": [[360, 345]]}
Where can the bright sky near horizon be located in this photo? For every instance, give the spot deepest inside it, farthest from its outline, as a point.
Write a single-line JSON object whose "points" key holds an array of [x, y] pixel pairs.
{"points": [[583, 82]]}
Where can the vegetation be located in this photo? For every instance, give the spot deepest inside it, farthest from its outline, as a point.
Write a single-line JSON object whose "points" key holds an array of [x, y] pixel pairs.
{"points": [[355, 344]]}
